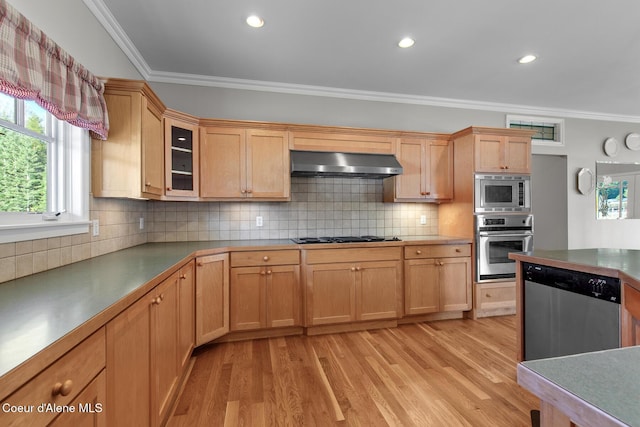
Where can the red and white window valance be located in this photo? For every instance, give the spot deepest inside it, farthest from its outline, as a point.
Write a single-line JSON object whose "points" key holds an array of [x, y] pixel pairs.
{"points": [[34, 67]]}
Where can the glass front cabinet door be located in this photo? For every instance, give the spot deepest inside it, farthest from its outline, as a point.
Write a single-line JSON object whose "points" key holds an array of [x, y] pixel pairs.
{"points": [[181, 157]]}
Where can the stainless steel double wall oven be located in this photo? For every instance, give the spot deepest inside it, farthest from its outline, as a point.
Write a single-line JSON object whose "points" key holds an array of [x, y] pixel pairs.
{"points": [[503, 224]]}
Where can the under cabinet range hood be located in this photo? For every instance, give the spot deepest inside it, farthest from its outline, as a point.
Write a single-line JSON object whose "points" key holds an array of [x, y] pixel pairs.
{"points": [[345, 165]]}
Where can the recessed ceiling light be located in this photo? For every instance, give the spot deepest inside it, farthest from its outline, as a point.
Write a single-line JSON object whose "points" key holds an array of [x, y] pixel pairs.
{"points": [[527, 59], [406, 42], [255, 21]]}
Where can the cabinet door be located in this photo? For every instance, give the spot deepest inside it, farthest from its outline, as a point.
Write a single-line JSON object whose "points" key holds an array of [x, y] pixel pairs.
{"points": [[152, 150], [455, 284], [518, 154], [411, 155], [186, 314], [421, 286], [89, 406], [630, 316], [223, 163], [331, 293], [164, 347], [378, 290], [439, 180], [212, 297], [267, 164], [181, 158], [489, 153], [247, 298], [128, 374], [283, 296]]}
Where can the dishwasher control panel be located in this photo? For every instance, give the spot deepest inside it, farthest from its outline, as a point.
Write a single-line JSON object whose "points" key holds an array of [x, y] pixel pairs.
{"points": [[591, 285]]}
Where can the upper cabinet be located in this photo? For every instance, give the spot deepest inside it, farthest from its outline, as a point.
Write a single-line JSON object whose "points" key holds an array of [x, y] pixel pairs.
{"points": [[427, 171], [181, 154], [341, 140], [502, 154], [240, 164], [130, 163]]}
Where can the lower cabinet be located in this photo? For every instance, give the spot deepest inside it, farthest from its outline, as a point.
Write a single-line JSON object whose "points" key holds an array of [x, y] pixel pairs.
{"points": [[265, 295], [212, 297], [342, 292], [630, 316], [75, 380], [145, 351], [437, 279]]}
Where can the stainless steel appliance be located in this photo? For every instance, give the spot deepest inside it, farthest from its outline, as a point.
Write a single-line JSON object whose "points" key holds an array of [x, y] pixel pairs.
{"points": [[349, 165], [568, 312], [343, 239], [496, 236], [502, 193]]}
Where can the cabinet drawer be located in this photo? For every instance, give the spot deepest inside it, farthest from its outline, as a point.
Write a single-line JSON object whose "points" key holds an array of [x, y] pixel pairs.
{"points": [[495, 295], [257, 258], [437, 251], [322, 256], [59, 384]]}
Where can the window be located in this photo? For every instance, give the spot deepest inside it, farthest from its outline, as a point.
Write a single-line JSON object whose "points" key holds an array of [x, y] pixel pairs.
{"points": [[44, 165], [549, 131], [613, 197]]}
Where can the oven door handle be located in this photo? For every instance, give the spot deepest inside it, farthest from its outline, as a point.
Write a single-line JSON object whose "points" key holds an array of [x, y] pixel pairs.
{"points": [[498, 234]]}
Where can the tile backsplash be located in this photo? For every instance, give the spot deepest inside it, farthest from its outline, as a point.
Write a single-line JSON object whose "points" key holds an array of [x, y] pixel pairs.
{"points": [[318, 207]]}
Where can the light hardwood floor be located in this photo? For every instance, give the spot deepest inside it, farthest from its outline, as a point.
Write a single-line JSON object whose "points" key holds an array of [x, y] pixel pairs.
{"points": [[444, 373]]}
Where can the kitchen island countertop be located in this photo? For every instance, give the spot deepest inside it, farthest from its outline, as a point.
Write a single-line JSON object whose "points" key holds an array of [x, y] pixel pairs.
{"points": [[592, 389]]}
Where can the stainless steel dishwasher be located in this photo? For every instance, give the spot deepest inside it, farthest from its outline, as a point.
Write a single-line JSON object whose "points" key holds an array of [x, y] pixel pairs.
{"points": [[568, 312]]}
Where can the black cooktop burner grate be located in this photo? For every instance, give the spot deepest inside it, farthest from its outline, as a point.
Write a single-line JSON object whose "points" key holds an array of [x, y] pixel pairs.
{"points": [[342, 239]]}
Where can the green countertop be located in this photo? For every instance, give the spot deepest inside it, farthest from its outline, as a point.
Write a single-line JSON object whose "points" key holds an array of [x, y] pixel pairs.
{"points": [[600, 384], [38, 310]]}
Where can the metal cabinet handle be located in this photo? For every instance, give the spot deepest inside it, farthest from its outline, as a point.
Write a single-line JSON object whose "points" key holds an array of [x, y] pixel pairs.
{"points": [[265, 258], [418, 252]]}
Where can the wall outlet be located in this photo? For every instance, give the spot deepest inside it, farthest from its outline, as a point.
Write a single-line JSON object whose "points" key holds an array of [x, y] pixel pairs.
{"points": [[258, 221], [141, 223], [95, 227], [423, 219]]}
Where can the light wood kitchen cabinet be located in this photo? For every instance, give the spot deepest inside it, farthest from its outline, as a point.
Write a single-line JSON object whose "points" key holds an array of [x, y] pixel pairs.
{"points": [[89, 407], [502, 154], [212, 297], [182, 155], [437, 279], [62, 384], [186, 314], [143, 355], [427, 171], [338, 140], [164, 347], [238, 163], [630, 316], [130, 163], [264, 290], [494, 299], [366, 287]]}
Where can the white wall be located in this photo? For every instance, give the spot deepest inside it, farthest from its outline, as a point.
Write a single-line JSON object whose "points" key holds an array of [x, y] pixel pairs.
{"points": [[73, 26]]}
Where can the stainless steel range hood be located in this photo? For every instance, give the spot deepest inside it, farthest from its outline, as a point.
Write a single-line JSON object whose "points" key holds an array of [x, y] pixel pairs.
{"points": [[349, 165]]}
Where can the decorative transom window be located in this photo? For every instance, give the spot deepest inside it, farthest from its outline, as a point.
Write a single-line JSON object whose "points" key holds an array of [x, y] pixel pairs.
{"points": [[44, 173], [549, 131]]}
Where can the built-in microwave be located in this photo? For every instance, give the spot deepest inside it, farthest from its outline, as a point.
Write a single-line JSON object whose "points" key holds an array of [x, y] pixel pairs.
{"points": [[502, 193]]}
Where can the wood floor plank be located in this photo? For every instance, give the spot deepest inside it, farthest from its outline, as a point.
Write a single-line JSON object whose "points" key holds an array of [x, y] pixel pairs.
{"points": [[445, 373]]}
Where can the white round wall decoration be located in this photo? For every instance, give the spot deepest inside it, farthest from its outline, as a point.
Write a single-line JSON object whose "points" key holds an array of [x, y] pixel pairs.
{"points": [[611, 147], [632, 141]]}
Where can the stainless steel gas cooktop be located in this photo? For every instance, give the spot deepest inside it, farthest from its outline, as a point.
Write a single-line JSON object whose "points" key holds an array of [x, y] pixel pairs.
{"points": [[344, 239]]}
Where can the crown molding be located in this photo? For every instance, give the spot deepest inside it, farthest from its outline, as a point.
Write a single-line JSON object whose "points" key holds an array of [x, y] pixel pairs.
{"points": [[105, 17]]}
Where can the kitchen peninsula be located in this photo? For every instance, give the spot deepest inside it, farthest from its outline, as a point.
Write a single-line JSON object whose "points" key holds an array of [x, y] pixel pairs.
{"points": [[578, 387], [90, 331]]}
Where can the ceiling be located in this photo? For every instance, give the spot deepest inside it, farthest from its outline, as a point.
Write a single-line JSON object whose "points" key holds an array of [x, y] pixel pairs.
{"points": [[465, 54]]}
